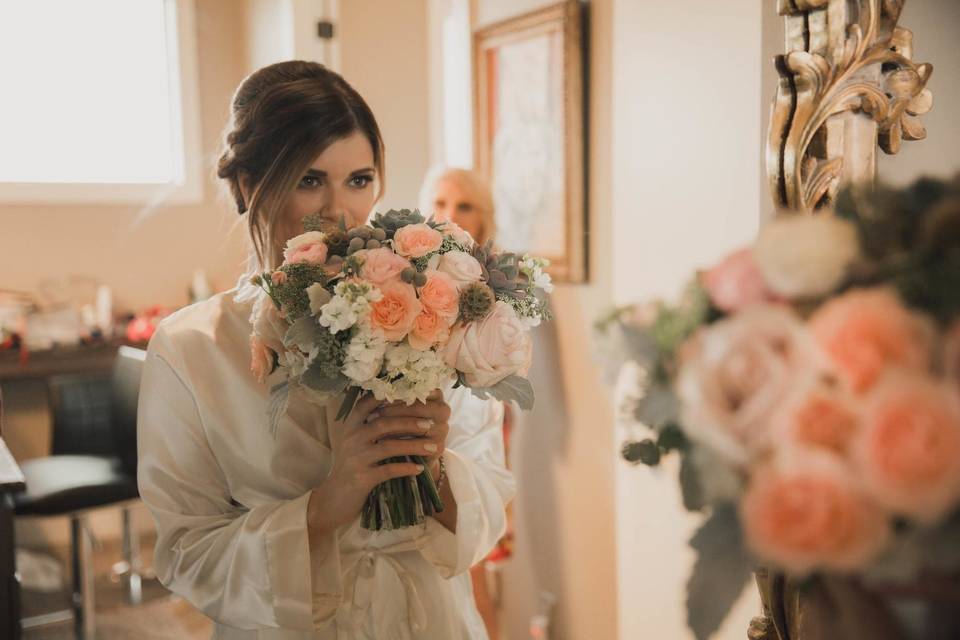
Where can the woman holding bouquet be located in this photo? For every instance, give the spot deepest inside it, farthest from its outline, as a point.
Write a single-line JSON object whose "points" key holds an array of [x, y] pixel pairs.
{"points": [[261, 530]]}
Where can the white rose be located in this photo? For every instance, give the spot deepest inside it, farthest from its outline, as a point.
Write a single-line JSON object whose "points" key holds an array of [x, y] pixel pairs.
{"points": [[806, 256], [461, 266], [492, 349]]}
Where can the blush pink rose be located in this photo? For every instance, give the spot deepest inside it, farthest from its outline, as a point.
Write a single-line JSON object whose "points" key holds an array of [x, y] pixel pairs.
{"points": [[461, 266], [458, 233], [307, 247], [440, 295], [396, 312], [736, 282], [381, 266], [867, 330], [909, 450], [492, 349], [819, 416], [735, 373], [278, 277], [261, 359], [430, 328], [808, 514], [417, 240]]}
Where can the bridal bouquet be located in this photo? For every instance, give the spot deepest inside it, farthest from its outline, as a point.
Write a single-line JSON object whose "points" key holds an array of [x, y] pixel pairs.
{"points": [[810, 385], [397, 309]]}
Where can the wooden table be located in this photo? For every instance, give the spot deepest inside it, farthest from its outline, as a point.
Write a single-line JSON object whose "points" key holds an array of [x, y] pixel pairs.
{"points": [[93, 358], [11, 481]]}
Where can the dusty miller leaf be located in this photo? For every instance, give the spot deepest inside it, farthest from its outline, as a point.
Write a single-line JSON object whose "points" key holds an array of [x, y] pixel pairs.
{"points": [[721, 571], [513, 388]]}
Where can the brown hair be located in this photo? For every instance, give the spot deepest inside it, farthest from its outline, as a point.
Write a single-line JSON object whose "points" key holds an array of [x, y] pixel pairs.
{"points": [[473, 184], [282, 117]]}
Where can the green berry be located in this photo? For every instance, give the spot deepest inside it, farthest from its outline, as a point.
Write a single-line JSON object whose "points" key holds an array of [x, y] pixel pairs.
{"points": [[379, 234], [373, 243], [420, 279], [408, 274]]}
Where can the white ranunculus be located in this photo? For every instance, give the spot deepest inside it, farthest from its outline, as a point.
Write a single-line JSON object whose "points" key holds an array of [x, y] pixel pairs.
{"points": [[806, 256]]}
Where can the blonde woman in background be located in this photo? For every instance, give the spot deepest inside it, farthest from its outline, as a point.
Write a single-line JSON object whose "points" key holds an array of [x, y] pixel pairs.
{"points": [[463, 197]]}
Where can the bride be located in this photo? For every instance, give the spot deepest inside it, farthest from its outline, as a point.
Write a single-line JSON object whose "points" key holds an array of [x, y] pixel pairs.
{"points": [[259, 531]]}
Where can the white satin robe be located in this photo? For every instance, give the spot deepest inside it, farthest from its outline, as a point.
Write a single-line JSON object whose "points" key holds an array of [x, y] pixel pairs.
{"points": [[230, 502]]}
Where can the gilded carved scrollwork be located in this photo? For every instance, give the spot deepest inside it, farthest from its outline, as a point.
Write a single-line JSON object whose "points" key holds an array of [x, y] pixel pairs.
{"points": [[847, 83]]}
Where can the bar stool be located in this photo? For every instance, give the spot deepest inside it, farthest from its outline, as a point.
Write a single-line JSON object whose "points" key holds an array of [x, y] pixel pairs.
{"points": [[92, 465]]}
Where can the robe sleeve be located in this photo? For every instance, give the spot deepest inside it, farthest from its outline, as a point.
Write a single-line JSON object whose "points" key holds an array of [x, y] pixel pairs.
{"points": [[244, 568], [479, 481]]}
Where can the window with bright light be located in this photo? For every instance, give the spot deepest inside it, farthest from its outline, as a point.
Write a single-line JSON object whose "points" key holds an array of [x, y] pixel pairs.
{"points": [[93, 95]]}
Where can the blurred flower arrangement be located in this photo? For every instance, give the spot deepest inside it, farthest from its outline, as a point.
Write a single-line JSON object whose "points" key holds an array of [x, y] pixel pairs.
{"points": [[810, 385], [396, 309]]}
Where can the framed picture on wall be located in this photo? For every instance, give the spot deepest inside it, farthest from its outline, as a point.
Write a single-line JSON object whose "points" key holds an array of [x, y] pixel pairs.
{"points": [[530, 134]]}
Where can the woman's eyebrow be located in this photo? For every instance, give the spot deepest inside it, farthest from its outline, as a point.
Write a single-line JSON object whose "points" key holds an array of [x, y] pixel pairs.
{"points": [[364, 170], [316, 173]]}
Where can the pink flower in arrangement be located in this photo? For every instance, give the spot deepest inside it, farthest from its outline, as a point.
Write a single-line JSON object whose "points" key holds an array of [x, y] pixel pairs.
{"points": [[278, 277], [417, 240], [261, 359], [307, 247], [381, 266], [819, 416], [865, 331], [429, 328], [440, 295], [909, 449], [492, 349], [735, 373], [806, 513], [461, 266], [951, 356], [396, 312], [736, 282], [458, 233]]}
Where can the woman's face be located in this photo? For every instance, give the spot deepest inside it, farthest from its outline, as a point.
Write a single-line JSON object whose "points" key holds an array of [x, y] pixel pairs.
{"points": [[453, 202], [340, 183]]}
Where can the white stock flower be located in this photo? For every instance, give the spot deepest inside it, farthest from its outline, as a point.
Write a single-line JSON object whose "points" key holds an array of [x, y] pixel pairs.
{"points": [[534, 269], [338, 315], [364, 354], [415, 375], [806, 256], [349, 306]]}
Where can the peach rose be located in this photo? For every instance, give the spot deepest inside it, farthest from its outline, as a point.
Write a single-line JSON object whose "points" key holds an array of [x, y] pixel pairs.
{"points": [[261, 359], [417, 240], [819, 416], [381, 266], [396, 312], [307, 247], [461, 266], [865, 331], [440, 295], [735, 373], [278, 277], [492, 349], [736, 282], [807, 513], [909, 450], [429, 329]]}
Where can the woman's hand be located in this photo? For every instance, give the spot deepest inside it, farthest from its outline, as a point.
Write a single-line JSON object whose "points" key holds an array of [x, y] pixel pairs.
{"points": [[358, 444], [434, 439]]}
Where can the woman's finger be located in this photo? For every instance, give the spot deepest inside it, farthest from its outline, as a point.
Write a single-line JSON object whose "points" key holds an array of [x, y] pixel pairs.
{"points": [[393, 448]]}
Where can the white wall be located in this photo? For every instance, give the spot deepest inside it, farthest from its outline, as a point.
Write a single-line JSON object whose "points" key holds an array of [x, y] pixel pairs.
{"points": [[686, 178], [383, 54]]}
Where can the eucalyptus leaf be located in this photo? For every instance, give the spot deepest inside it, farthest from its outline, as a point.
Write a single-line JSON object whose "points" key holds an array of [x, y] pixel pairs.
{"points": [[318, 380], [720, 573], [513, 388], [658, 407], [690, 484], [304, 333]]}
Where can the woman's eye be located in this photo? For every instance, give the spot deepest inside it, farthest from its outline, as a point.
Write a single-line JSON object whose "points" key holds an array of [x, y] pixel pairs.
{"points": [[360, 181], [310, 182], [464, 207]]}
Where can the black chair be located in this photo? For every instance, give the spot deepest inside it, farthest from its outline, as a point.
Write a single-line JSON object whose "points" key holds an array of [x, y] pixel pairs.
{"points": [[92, 465]]}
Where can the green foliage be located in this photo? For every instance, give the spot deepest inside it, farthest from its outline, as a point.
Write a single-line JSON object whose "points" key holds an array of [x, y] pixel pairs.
{"points": [[292, 294], [394, 219], [720, 573], [641, 452], [511, 389], [476, 301]]}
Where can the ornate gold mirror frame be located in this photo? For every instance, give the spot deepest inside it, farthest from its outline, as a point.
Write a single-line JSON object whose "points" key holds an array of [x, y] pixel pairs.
{"points": [[847, 84]]}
